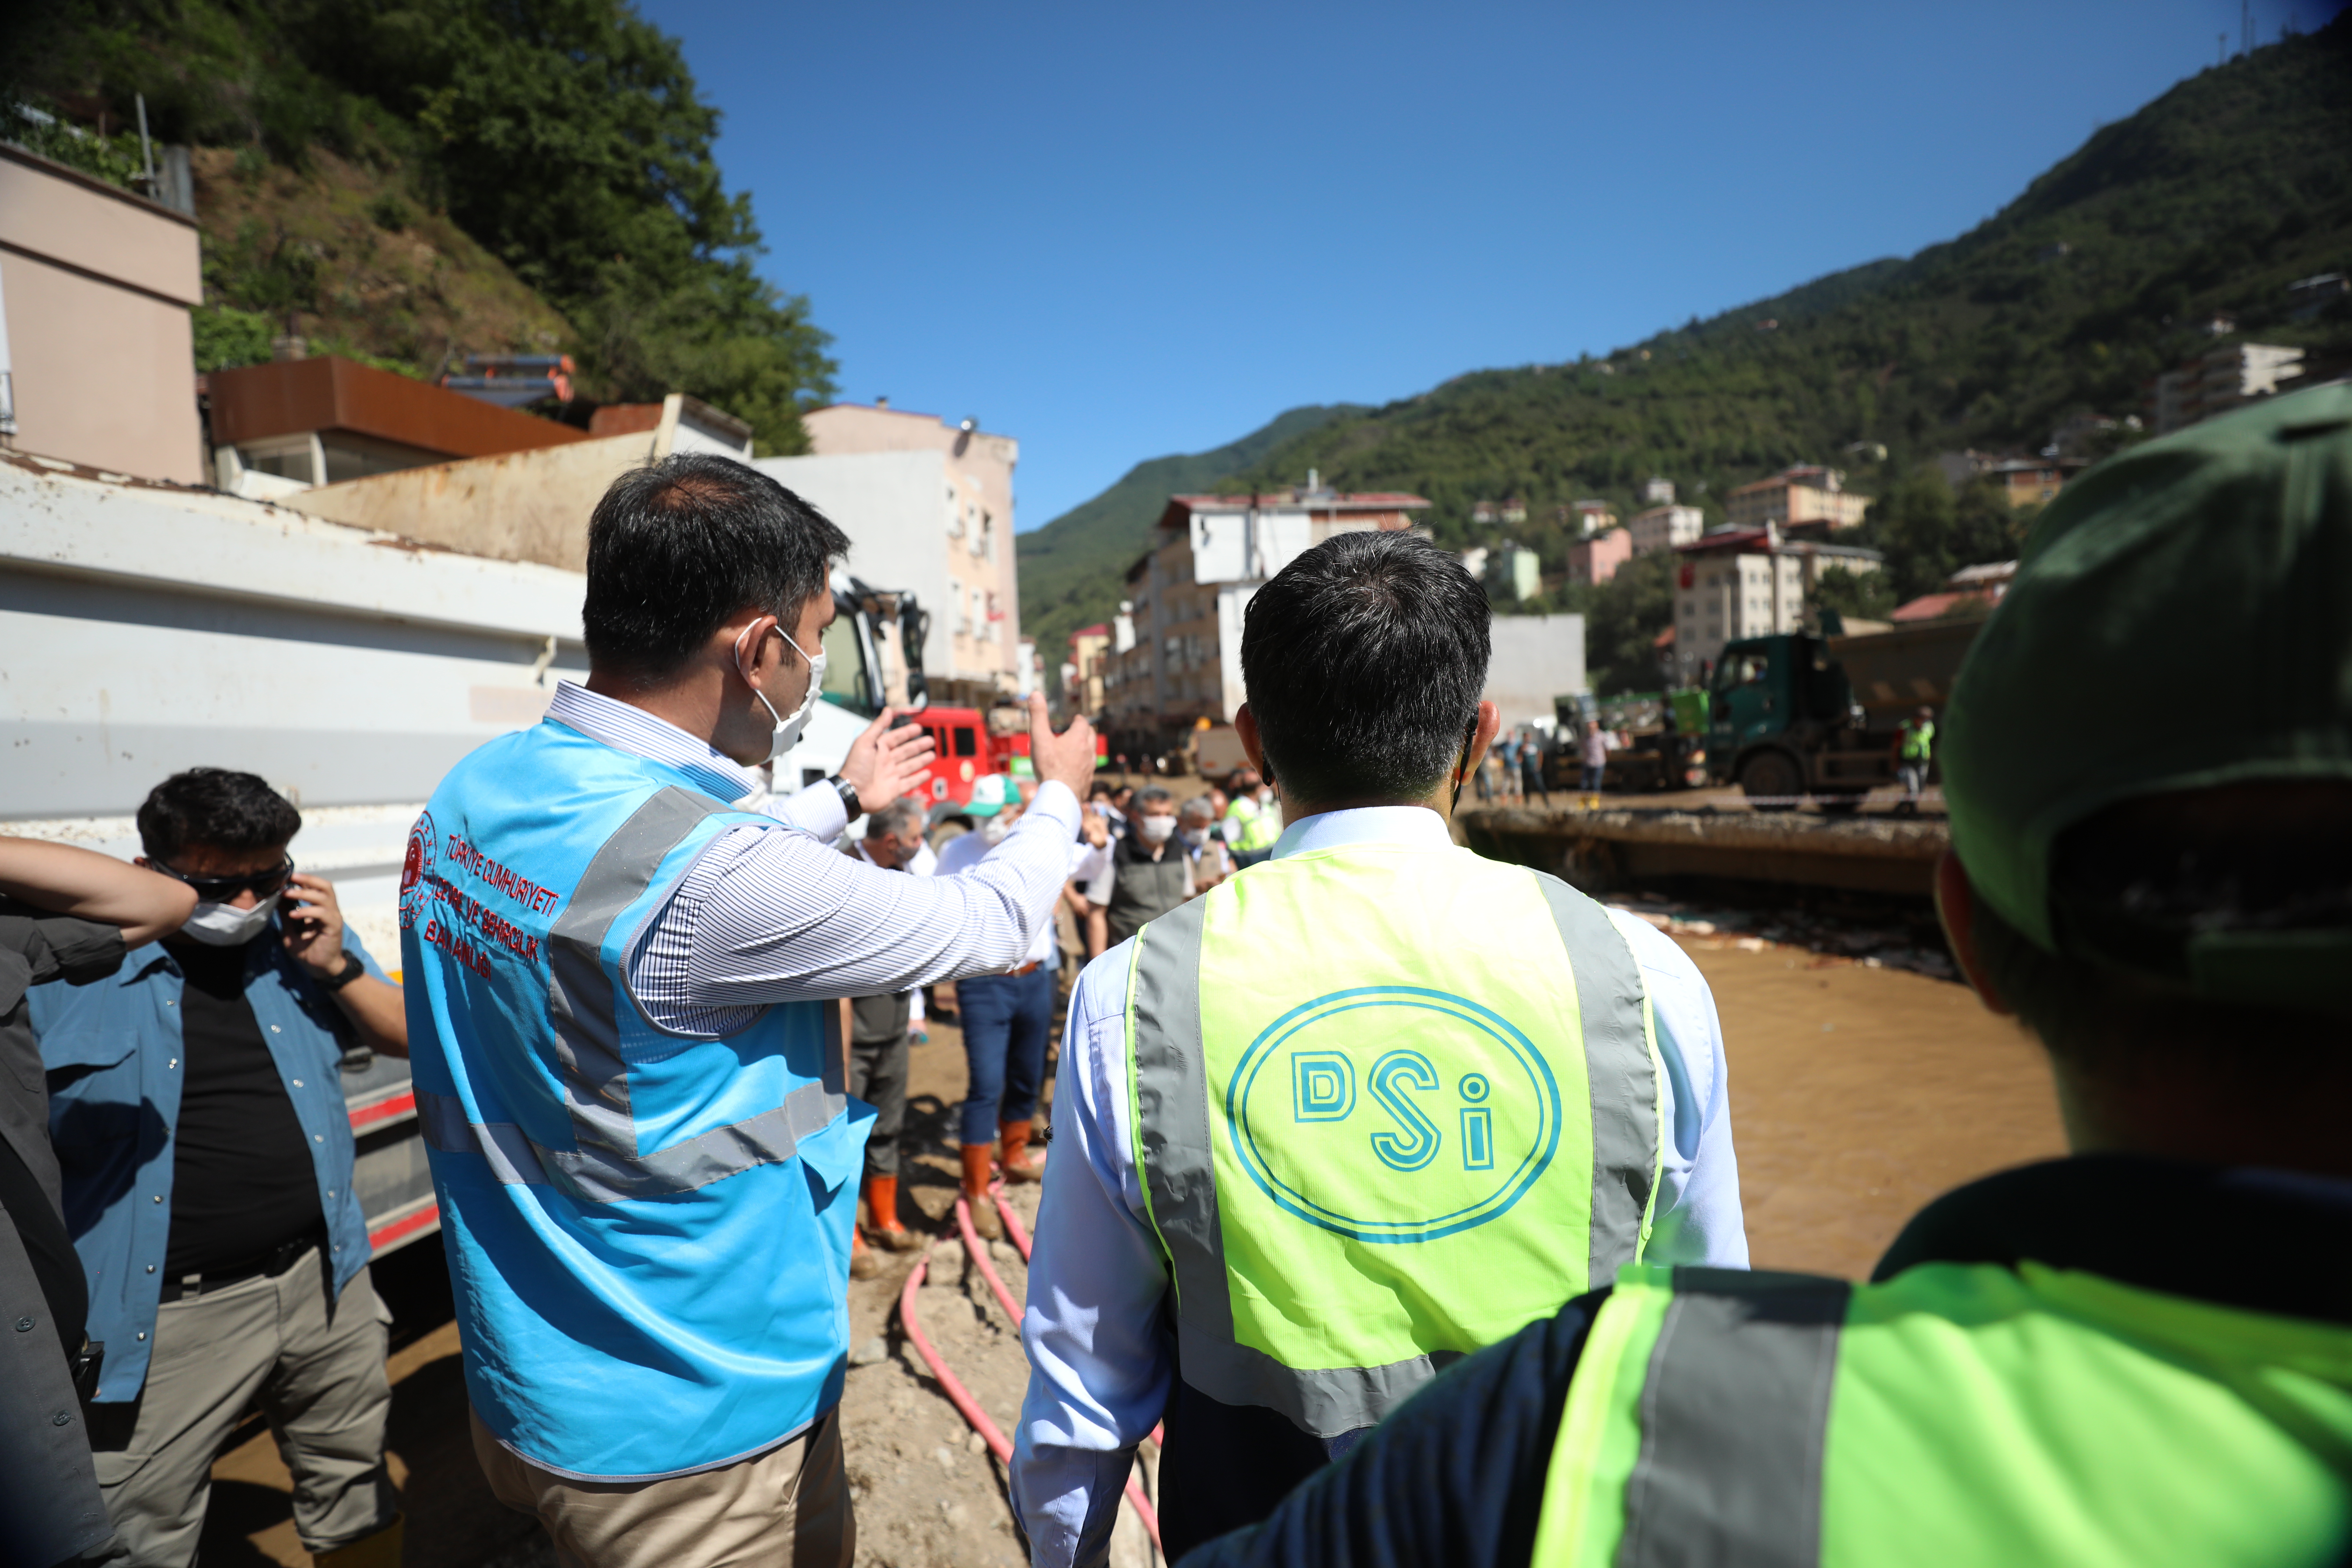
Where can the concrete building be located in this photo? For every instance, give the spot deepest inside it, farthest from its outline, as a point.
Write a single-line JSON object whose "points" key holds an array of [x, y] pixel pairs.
{"points": [[1664, 527], [1188, 594], [1590, 516], [1793, 498], [1513, 574], [280, 428], [1536, 659], [1747, 583], [1507, 513], [97, 361], [1596, 560], [2217, 382], [1658, 491], [1083, 684], [965, 569]]}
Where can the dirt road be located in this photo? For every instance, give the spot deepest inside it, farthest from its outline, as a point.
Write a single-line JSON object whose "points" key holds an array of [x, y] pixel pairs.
{"points": [[1857, 1094]]}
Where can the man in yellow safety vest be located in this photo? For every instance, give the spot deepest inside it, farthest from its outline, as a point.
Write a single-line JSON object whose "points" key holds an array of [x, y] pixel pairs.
{"points": [[1358, 1110]]}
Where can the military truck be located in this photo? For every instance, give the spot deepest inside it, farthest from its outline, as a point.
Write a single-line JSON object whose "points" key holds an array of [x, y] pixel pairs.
{"points": [[1795, 714]]}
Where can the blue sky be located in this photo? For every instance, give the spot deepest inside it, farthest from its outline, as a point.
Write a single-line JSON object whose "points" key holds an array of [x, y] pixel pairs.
{"points": [[1115, 232]]}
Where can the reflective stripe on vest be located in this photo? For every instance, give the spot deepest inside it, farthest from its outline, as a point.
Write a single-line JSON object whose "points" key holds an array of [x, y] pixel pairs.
{"points": [[608, 1165], [1192, 1094], [1960, 1413]]}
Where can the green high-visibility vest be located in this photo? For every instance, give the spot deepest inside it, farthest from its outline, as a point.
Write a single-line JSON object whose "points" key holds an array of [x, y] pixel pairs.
{"points": [[1918, 741], [1963, 1415], [1261, 825], [1389, 1104]]}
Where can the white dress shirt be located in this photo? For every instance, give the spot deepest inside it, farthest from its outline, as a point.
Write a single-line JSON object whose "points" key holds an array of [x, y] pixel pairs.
{"points": [[1087, 862], [1095, 1327], [764, 916]]}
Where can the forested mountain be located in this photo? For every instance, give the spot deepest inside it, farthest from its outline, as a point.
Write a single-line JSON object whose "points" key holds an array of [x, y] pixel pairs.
{"points": [[1071, 568], [2108, 268], [417, 179]]}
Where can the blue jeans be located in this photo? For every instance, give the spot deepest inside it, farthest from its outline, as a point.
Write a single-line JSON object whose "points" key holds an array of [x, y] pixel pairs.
{"points": [[1006, 1018], [1593, 779]]}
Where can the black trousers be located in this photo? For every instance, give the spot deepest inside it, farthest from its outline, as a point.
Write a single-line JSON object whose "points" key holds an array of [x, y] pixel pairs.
{"points": [[877, 1075]]}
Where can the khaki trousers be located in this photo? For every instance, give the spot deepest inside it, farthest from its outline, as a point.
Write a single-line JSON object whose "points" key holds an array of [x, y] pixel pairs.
{"points": [[317, 1375], [788, 1507]]}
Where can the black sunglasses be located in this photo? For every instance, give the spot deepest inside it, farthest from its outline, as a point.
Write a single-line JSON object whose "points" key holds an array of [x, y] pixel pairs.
{"points": [[221, 889]]}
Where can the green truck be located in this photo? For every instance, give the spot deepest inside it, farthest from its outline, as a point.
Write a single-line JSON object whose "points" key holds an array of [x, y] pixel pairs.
{"points": [[1798, 715]]}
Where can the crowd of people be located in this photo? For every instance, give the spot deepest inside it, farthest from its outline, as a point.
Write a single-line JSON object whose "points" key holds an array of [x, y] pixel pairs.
{"points": [[1397, 1186]]}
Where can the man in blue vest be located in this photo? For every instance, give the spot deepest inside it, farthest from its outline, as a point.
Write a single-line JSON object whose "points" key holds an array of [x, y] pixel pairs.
{"points": [[2140, 1354], [620, 988]]}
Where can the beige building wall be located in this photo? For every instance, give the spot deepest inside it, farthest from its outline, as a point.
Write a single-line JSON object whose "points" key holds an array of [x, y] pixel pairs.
{"points": [[980, 630], [95, 287]]}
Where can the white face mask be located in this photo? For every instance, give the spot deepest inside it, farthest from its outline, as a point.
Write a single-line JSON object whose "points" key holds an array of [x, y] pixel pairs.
{"points": [[992, 829], [1155, 829], [788, 729], [1198, 837], [217, 924]]}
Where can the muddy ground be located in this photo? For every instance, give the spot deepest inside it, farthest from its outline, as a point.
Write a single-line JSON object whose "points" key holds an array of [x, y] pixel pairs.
{"points": [[1858, 1093]]}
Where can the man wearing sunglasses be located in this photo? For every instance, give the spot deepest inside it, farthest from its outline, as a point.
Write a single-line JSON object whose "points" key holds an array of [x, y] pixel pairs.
{"points": [[197, 1112]]}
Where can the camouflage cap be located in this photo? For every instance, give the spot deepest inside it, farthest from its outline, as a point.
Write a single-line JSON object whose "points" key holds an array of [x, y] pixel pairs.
{"points": [[2181, 619]]}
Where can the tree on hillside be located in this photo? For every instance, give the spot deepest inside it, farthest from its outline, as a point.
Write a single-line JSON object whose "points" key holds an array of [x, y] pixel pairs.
{"points": [[567, 136]]}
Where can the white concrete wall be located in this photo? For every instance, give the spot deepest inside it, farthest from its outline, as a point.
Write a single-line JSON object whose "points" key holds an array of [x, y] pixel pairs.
{"points": [[894, 507], [1238, 547], [1535, 658]]}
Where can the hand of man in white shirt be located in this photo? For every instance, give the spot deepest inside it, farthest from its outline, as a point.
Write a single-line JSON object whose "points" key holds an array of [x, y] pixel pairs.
{"points": [[1065, 759], [884, 763]]}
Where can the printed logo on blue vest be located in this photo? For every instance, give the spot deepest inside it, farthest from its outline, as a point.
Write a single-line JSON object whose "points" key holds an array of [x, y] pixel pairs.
{"points": [[415, 870], [1393, 1113]]}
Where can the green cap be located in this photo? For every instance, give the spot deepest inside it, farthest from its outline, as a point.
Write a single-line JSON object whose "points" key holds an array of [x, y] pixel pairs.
{"points": [[989, 795], [2182, 619]]}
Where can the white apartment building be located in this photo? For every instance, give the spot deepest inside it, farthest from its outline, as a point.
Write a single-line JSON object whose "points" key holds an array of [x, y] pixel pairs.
{"points": [[2217, 382], [1807, 493], [1747, 583], [928, 505], [1658, 490], [1189, 593], [1665, 527]]}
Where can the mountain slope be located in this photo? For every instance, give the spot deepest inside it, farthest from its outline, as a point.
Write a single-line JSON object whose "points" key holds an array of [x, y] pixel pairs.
{"points": [[1072, 567], [2102, 273]]}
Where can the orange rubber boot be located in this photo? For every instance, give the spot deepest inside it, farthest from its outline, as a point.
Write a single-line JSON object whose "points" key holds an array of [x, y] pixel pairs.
{"points": [[1018, 1166], [882, 1225], [975, 1191]]}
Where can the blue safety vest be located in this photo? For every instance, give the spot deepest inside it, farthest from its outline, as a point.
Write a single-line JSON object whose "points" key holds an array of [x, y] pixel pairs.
{"points": [[648, 1232]]}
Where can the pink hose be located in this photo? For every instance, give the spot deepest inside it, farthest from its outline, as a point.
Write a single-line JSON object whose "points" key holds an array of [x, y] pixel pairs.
{"points": [[960, 1396]]}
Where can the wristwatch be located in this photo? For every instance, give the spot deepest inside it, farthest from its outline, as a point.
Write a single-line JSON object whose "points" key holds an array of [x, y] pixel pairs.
{"points": [[351, 969], [848, 793]]}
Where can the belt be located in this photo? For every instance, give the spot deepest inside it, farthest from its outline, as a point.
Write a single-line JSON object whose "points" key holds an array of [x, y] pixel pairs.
{"points": [[271, 1264], [1029, 968]]}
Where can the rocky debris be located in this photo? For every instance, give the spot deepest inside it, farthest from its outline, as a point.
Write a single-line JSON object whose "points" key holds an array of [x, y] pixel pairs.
{"points": [[1913, 944]]}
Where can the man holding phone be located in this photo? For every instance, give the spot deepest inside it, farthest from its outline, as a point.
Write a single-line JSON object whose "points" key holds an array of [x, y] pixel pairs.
{"points": [[198, 1117]]}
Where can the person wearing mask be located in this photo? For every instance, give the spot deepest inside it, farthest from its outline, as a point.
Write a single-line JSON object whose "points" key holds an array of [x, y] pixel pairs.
{"points": [[70, 915], [1008, 1017], [879, 1030], [196, 1104], [1104, 800], [1369, 1108], [626, 1074], [1148, 874], [2141, 1353], [1196, 830]]}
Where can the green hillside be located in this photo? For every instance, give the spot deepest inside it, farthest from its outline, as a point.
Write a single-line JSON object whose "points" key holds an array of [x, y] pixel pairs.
{"points": [[2210, 199], [1071, 568], [417, 180]]}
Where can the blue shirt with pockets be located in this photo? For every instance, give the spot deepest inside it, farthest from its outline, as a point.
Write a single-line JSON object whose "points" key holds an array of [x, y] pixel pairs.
{"points": [[113, 1054]]}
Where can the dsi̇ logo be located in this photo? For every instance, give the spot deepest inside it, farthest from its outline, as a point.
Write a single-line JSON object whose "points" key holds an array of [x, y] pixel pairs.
{"points": [[1393, 1113]]}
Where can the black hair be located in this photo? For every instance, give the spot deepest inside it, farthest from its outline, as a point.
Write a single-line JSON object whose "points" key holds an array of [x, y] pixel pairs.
{"points": [[2131, 883], [677, 547], [1152, 795], [901, 814], [214, 806], [1100, 790], [1363, 660]]}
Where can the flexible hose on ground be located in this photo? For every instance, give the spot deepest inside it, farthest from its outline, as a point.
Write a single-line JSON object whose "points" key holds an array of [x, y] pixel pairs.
{"points": [[958, 1396]]}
